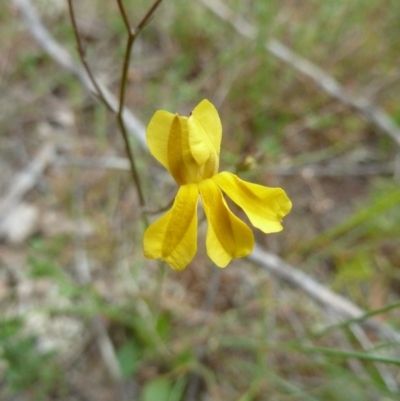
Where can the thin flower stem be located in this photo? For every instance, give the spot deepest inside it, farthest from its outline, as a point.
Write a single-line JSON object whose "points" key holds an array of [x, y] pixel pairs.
{"points": [[161, 209], [147, 16], [124, 15], [132, 35], [143, 21], [162, 273], [128, 149]]}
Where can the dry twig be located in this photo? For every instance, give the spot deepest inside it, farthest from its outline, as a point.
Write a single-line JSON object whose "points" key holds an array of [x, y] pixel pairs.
{"points": [[132, 36], [122, 164]]}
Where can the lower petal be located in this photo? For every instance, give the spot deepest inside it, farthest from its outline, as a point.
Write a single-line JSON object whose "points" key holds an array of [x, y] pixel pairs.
{"points": [[265, 207], [173, 237], [227, 237]]}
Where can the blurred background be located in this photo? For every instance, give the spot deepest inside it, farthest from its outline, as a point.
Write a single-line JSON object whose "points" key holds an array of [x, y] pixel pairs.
{"points": [[308, 94]]}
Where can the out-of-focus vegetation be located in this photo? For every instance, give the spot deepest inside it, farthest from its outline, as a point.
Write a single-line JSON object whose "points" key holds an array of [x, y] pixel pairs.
{"points": [[259, 340]]}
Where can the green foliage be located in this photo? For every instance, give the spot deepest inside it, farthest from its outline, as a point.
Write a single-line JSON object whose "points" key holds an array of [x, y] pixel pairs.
{"points": [[163, 389], [129, 357], [156, 389], [42, 264], [24, 364]]}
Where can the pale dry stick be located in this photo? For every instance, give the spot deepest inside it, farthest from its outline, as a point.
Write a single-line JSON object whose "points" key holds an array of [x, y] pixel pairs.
{"points": [[122, 164], [269, 262], [336, 303], [328, 84], [104, 163], [64, 60], [27, 179]]}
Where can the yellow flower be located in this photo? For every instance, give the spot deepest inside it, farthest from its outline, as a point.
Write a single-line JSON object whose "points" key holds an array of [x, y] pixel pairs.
{"points": [[188, 147]]}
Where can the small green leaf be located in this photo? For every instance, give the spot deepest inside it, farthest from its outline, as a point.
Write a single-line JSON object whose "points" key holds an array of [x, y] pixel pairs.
{"points": [[163, 325], [157, 389], [128, 358], [178, 389]]}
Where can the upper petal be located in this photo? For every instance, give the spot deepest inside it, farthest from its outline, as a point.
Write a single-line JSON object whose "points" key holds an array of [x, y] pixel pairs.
{"points": [[167, 137], [227, 236], [205, 133], [265, 207], [173, 237]]}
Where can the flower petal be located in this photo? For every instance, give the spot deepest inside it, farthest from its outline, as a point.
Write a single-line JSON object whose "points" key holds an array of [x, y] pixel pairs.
{"points": [[205, 132], [227, 237], [167, 137], [157, 135], [265, 207], [173, 237], [182, 165]]}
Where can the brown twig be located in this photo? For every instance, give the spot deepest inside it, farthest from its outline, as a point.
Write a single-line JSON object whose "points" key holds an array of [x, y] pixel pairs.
{"points": [[124, 15], [132, 36]]}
